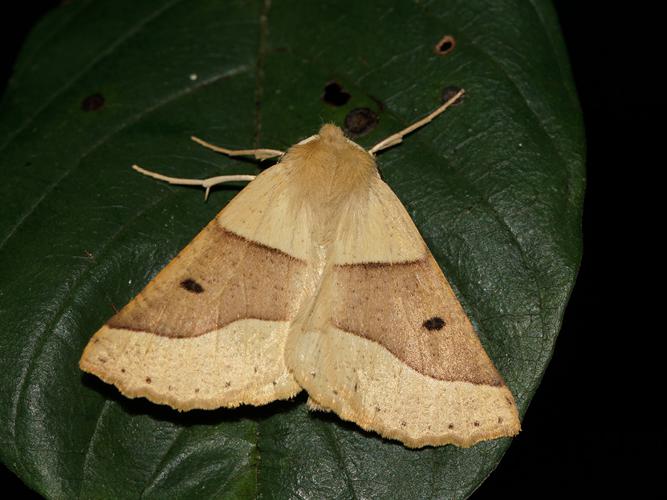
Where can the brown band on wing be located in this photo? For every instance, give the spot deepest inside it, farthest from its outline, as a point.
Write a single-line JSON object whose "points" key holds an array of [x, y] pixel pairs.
{"points": [[220, 277], [411, 310]]}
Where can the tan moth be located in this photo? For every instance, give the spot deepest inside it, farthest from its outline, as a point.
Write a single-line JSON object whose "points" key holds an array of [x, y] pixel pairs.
{"points": [[314, 277]]}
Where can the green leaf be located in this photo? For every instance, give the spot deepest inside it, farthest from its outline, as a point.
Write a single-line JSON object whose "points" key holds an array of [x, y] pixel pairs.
{"points": [[495, 185]]}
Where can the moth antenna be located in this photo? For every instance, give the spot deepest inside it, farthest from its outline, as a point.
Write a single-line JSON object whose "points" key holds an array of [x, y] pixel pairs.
{"points": [[397, 138], [260, 154], [205, 183]]}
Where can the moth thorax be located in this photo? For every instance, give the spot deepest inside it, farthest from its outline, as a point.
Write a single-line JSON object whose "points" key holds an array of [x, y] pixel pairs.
{"points": [[330, 169]]}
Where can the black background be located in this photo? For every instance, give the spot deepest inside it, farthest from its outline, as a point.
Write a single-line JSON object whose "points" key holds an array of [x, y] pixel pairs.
{"points": [[581, 436]]}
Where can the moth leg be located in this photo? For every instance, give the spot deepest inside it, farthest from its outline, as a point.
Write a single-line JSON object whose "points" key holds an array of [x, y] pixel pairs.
{"points": [[260, 154], [205, 183], [397, 138]]}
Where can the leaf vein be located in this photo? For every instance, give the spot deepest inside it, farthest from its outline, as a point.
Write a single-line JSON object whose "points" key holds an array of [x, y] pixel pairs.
{"points": [[134, 119], [112, 47], [28, 63], [259, 68], [329, 428], [93, 436], [40, 339], [157, 472]]}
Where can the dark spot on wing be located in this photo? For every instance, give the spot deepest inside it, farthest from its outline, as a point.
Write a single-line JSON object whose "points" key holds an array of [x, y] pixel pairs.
{"points": [[192, 286], [148, 380], [434, 323]]}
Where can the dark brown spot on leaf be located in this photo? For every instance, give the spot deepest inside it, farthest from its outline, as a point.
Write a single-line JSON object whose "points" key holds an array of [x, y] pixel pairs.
{"points": [[102, 360], [500, 420], [227, 384], [196, 390], [450, 426], [335, 95], [450, 91], [403, 423], [335, 392], [122, 370], [445, 45], [93, 102], [192, 286], [360, 121], [355, 387], [434, 323], [148, 380], [475, 423]]}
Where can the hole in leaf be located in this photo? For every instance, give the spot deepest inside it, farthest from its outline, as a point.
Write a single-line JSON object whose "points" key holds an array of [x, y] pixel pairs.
{"points": [[335, 95], [445, 45]]}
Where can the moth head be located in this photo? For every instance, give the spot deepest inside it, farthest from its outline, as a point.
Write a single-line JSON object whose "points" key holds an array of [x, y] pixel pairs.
{"points": [[331, 133], [331, 136]]}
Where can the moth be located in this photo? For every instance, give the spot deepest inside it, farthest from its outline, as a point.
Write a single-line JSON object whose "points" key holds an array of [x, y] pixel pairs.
{"points": [[314, 277]]}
